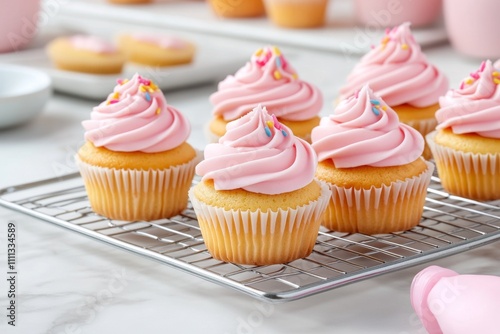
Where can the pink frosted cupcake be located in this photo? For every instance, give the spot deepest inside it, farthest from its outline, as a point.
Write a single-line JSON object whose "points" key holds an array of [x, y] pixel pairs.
{"points": [[258, 202], [466, 145], [373, 165], [398, 72], [136, 163], [271, 80]]}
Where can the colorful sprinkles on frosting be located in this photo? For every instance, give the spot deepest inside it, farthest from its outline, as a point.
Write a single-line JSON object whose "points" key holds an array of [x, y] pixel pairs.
{"points": [[389, 36], [474, 76], [274, 124], [262, 57], [146, 86], [377, 107]]}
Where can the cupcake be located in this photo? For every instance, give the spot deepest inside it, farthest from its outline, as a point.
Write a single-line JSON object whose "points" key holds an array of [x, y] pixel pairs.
{"points": [[268, 79], [399, 73], [373, 165], [156, 50], [466, 144], [237, 9], [85, 53], [136, 164], [258, 202], [297, 13]]}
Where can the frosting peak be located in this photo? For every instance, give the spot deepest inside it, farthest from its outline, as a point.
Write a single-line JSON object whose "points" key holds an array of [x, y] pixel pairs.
{"points": [[259, 154], [365, 131], [271, 80], [136, 117], [475, 106], [398, 71]]}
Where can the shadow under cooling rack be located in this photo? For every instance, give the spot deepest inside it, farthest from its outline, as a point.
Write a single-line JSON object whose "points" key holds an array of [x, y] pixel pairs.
{"points": [[449, 225]]}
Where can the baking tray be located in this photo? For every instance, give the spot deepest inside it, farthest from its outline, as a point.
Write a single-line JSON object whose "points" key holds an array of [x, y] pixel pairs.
{"points": [[449, 225]]}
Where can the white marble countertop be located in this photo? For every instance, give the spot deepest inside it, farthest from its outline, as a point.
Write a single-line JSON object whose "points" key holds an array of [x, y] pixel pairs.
{"points": [[69, 283]]}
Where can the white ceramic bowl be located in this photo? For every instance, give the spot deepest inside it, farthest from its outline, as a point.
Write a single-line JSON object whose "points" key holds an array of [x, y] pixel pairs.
{"points": [[23, 93]]}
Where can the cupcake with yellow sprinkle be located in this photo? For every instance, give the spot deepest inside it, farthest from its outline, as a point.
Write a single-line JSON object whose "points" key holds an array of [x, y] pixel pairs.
{"points": [[268, 78], [398, 71], [466, 143], [136, 163]]}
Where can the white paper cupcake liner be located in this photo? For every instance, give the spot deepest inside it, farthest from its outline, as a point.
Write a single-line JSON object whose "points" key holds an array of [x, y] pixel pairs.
{"points": [[257, 237], [389, 208], [467, 174], [129, 194], [424, 126]]}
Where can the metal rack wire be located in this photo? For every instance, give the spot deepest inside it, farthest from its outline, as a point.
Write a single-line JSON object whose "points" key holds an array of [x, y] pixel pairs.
{"points": [[449, 225]]}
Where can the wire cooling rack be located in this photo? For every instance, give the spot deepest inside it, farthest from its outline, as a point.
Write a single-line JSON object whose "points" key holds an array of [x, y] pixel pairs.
{"points": [[449, 225]]}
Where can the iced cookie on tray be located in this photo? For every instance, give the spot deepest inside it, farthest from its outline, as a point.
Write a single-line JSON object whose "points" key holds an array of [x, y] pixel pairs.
{"points": [[156, 50], [85, 53]]}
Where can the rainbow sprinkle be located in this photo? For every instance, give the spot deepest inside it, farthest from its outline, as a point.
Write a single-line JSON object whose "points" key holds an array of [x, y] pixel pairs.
{"points": [[376, 107], [145, 82], [496, 77], [158, 111], [268, 131], [277, 75], [404, 46], [148, 97], [276, 123]]}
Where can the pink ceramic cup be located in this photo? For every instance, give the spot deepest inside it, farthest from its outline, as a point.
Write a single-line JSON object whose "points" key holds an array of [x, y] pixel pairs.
{"points": [[389, 13], [18, 23], [472, 27]]}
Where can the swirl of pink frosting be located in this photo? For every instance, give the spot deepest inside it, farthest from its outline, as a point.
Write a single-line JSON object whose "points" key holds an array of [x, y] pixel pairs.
{"points": [[92, 43], [270, 80], [365, 131], [136, 117], [165, 42], [398, 71], [260, 155], [475, 106]]}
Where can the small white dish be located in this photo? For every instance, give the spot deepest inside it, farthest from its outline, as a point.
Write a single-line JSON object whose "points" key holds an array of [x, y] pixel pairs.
{"points": [[23, 93]]}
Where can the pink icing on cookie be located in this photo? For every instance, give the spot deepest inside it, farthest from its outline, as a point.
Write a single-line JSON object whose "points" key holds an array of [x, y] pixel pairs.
{"points": [[92, 43], [449, 303], [163, 41], [260, 155], [136, 117], [475, 106], [364, 131], [398, 71], [268, 79]]}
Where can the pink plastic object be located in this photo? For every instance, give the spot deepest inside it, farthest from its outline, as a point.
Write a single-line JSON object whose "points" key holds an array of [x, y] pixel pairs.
{"points": [[18, 23], [472, 27], [449, 303], [388, 13]]}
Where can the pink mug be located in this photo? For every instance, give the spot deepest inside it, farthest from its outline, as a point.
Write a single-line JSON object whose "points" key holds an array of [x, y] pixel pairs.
{"points": [[18, 23], [389, 13], [472, 27]]}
